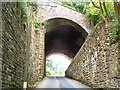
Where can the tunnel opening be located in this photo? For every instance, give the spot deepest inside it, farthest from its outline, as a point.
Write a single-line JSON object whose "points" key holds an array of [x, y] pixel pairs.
{"points": [[57, 64], [64, 39], [63, 36]]}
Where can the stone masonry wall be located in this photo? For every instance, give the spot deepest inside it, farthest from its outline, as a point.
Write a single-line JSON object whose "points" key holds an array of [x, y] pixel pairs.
{"points": [[49, 10], [96, 64], [22, 45], [0, 47], [36, 61], [14, 44]]}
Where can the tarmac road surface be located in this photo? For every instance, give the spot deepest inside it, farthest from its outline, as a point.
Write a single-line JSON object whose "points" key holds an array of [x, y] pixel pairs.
{"points": [[60, 82]]}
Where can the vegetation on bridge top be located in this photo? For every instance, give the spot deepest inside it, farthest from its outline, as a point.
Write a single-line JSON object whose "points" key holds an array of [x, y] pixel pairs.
{"points": [[97, 11]]}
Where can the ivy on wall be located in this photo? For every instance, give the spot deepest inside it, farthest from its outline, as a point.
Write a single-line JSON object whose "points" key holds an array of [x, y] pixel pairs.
{"points": [[25, 15]]}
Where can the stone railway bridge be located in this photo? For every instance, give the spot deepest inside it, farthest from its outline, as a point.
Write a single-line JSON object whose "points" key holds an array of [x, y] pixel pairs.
{"points": [[62, 30]]}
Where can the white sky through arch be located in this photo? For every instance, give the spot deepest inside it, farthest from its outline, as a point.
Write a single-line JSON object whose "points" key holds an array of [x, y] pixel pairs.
{"points": [[60, 59]]}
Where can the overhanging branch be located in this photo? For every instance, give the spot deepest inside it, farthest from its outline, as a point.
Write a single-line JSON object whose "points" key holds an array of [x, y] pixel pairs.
{"points": [[106, 11], [94, 4], [102, 14]]}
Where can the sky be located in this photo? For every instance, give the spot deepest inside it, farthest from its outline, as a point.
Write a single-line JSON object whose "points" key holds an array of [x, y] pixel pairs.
{"points": [[61, 60]]}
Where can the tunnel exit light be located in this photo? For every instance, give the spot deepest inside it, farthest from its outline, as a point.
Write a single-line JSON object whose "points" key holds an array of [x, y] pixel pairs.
{"points": [[57, 64]]}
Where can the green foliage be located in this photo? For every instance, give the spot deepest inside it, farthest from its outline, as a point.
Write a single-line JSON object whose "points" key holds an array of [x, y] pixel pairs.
{"points": [[25, 24], [49, 63], [44, 30], [91, 13], [7, 9], [48, 72], [36, 45], [61, 71], [36, 24], [28, 85], [24, 9], [75, 4], [44, 22], [37, 29], [9, 20], [54, 68], [34, 5], [94, 14], [113, 32], [110, 49], [25, 15], [14, 10]]}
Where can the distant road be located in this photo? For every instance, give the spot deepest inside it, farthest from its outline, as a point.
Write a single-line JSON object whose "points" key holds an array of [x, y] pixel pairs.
{"points": [[60, 82]]}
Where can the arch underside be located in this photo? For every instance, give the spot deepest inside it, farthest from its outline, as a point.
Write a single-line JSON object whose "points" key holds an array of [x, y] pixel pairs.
{"points": [[63, 36]]}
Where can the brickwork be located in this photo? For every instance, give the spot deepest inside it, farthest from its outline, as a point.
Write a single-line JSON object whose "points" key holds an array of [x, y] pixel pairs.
{"points": [[96, 63]]}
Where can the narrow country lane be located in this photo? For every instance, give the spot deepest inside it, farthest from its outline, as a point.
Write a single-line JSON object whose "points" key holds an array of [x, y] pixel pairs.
{"points": [[60, 82]]}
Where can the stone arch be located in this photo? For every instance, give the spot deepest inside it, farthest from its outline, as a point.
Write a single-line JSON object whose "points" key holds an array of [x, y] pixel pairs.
{"points": [[63, 36], [49, 9], [60, 54], [54, 22]]}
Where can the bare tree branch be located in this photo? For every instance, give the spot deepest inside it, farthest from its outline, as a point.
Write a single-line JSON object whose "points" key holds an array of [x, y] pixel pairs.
{"points": [[102, 14], [101, 9], [117, 9], [106, 11], [94, 4]]}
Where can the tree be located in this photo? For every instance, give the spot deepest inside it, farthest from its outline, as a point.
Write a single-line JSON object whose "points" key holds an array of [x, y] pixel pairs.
{"points": [[109, 12], [55, 69], [49, 63], [102, 7], [117, 10]]}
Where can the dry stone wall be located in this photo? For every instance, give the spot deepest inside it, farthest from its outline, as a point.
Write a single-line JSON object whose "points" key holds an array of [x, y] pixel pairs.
{"points": [[14, 45], [22, 46], [0, 47], [96, 64]]}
